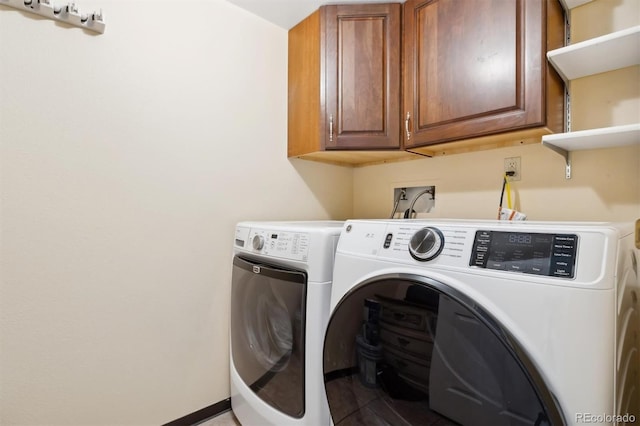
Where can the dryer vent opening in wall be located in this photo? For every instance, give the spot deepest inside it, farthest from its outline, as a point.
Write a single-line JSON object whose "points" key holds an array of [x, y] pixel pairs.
{"points": [[411, 201]]}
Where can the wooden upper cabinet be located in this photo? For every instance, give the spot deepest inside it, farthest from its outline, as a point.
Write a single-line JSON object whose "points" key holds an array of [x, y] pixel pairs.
{"points": [[344, 84], [362, 74], [478, 67]]}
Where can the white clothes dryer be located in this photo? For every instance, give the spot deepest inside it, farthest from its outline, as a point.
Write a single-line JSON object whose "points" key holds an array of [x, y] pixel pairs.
{"points": [[281, 287], [484, 323]]}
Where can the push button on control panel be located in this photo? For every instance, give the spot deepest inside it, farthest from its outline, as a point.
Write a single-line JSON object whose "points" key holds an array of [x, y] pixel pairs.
{"points": [[387, 241]]}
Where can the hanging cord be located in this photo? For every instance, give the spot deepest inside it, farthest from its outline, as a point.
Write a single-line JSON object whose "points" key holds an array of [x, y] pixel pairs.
{"points": [[401, 195], [508, 189], [409, 212], [506, 186]]}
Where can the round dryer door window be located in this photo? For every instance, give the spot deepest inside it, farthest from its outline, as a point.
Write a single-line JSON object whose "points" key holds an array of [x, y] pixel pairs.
{"points": [[268, 327], [267, 332], [406, 350]]}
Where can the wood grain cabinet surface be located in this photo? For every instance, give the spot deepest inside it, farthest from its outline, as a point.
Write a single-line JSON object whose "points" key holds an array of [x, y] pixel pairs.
{"points": [[476, 68], [344, 84], [375, 82]]}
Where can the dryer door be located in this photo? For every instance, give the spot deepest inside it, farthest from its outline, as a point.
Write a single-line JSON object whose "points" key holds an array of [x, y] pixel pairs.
{"points": [[267, 332], [408, 350]]}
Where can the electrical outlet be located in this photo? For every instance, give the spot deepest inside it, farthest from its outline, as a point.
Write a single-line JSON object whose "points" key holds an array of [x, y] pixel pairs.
{"points": [[512, 164]]}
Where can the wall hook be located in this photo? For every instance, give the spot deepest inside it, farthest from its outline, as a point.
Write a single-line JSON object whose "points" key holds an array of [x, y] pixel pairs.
{"points": [[69, 13]]}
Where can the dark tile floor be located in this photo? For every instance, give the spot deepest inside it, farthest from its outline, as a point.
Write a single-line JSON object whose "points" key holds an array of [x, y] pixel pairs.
{"points": [[354, 404]]}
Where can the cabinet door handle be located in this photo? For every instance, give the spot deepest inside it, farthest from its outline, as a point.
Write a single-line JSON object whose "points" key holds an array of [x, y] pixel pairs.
{"points": [[406, 126], [331, 128]]}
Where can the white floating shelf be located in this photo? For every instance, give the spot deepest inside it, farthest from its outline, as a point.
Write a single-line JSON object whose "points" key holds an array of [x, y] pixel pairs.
{"points": [[610, 52], [570, 4], [607, 137]]}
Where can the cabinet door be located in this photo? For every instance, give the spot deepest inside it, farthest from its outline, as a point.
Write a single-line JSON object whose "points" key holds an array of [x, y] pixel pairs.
{"points": [[472, 68], [362, 76]]}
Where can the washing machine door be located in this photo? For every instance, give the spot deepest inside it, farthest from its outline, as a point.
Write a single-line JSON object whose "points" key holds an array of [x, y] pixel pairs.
{"points": [[267, 332], [404, 349]]}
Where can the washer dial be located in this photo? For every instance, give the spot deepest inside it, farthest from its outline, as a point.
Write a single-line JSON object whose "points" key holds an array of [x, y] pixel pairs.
{"points": [[258, 242], [426, 244]]}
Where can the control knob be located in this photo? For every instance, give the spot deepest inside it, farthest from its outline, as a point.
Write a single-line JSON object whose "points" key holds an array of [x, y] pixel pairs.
{"points": [[258, 242], [426, 244]]}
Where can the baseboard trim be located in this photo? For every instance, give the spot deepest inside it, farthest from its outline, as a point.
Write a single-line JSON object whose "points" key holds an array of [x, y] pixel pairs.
{"points": [[203, 414]]}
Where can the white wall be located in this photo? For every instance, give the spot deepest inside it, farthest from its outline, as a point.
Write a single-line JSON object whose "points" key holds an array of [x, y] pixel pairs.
{"points": [[125, 161], [605, 185]]}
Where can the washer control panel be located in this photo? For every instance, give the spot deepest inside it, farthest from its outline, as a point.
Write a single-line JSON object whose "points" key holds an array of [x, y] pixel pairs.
{"points": [[557, 253], [551, 255], [409, 241]]}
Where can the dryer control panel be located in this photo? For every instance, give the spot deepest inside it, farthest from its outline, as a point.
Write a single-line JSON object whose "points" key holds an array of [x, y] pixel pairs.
{"points": [[274, 243], [551, 255]]}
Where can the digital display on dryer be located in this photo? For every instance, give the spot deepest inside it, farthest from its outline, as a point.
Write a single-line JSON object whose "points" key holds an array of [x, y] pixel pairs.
{"points": [[526, 252]]}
